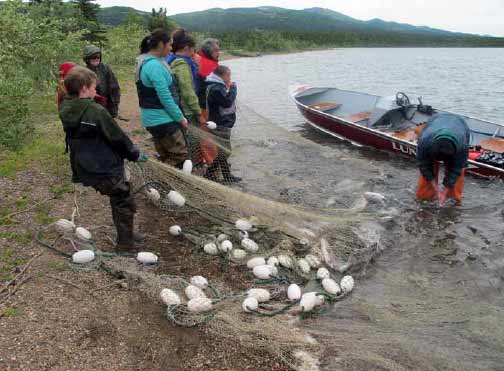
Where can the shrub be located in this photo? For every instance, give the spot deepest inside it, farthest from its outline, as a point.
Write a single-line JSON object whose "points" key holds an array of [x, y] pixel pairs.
{"points": [[123, 44], [33, 43]]}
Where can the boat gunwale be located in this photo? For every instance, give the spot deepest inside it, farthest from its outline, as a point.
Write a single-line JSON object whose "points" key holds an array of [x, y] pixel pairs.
{"points": [[381, 134]]}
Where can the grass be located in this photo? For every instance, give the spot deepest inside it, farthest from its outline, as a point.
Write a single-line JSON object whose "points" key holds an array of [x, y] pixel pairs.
{"points": [[13, 312], [45, 151], [46, 147], [22, 238], [22, 202], [43, 216], [60, 189], [4, 219], [8, 262], [56, 265], [43, 104], [124, 74]]}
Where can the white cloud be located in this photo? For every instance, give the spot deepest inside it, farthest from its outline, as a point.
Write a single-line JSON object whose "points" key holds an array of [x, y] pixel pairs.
{"points": [[480, 17]]}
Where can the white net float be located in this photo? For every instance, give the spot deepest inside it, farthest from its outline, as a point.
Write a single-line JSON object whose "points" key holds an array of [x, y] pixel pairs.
{"points": [[175, 230], [169, 297], [83, 256], [294, 292], [176, 198]]}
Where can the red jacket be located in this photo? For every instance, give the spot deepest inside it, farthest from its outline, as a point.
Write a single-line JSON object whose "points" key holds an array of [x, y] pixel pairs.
{"points": [[207, 65]]}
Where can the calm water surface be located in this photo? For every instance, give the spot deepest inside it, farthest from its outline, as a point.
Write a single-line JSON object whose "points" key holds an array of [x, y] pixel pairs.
{"points": [[434, 299]]}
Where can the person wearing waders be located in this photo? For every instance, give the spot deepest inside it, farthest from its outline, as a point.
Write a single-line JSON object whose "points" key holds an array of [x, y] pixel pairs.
{"points": [[107, 85], [185, 69], [158, 97], [98, 148], [445, 139]]}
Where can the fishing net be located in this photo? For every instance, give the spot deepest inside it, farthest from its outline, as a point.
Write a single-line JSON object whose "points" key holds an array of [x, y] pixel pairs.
{"points": [[293, 230], [333, 235]]}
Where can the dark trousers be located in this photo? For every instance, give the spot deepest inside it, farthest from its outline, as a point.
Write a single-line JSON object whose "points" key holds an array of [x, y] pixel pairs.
{"points": [[123, 207], [222, 137], [170, 143]]}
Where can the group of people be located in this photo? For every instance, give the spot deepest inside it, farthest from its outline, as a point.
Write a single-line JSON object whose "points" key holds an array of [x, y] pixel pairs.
{"points": [[179, 91]]}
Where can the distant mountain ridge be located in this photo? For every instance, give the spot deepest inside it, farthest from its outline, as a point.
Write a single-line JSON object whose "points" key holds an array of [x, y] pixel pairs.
{"points": [[305, 20], [271, 18]]}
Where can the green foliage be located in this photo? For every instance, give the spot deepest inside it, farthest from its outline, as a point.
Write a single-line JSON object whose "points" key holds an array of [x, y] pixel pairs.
{"points": [[15, 123], [133, 19], [46, 151], [87, 15], [158, 19], [116, 15], [34, 42], [123, 44]]}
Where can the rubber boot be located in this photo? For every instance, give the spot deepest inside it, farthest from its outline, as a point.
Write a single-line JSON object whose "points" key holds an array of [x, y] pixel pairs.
{"points": [[211, 173], [138, 238], [123, 217], [226, 173]]}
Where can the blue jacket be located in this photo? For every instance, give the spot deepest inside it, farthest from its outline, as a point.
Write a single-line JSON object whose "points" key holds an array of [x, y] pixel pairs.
{"points": [[220, 102], [454, 128], [155, 74]]}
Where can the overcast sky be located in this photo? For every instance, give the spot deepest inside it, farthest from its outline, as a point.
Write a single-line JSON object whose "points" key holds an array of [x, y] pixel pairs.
{"points": [[471, 16]]}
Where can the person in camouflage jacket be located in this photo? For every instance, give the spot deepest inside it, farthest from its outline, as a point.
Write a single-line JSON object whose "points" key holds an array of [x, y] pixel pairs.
{"points": [[107, 85]]}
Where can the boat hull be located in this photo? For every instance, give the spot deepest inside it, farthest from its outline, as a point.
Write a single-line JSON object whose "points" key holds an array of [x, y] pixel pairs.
{"points": [[364, 136]]}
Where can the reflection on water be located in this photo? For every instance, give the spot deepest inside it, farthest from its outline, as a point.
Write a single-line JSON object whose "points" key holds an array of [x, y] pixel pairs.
{"points": [[434, 299]]}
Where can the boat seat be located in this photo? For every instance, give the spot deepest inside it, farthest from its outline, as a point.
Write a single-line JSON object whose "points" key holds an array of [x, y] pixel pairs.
{"points": [[410, 134], [493, 144], [325, 106], [359, 116]]}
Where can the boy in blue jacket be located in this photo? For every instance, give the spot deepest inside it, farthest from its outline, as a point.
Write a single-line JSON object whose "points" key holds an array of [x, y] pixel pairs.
{"points": [[221, 105]]}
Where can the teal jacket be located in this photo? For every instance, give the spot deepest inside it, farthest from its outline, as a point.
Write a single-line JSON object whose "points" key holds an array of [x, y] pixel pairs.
{"points": [[155, 74]]}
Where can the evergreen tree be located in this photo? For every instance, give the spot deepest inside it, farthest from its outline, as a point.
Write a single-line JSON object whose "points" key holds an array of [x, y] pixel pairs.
{"points": [[158, 19], [87, 14], [87, 9]]}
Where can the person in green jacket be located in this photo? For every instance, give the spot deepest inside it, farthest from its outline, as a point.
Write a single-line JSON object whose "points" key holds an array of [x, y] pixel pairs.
{"points": [[159, 112], [185, 70], [98, 148], [107, 85], [184, 67]]}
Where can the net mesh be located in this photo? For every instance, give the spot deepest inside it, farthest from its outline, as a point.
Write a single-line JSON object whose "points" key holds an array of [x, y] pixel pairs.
{"points": [[331, 234], [278, 228]]}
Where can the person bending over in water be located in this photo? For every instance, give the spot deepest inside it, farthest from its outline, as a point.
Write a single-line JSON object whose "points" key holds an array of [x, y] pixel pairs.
{"points": [[444, 139]]}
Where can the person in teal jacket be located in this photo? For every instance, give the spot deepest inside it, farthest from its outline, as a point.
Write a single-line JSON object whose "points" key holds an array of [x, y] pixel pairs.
{"points": [[159, 111]]}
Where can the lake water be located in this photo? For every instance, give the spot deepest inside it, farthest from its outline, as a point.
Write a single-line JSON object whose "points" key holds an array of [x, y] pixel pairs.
{"points": [[433, 300]]}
